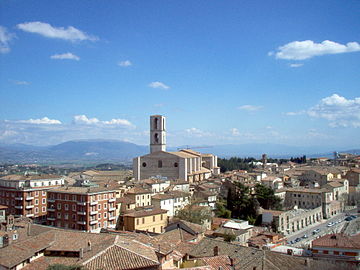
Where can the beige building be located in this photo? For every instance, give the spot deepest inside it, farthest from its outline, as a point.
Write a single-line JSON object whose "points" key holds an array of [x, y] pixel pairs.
{"points": [[291, 221], [141, 196], [185, 164]]}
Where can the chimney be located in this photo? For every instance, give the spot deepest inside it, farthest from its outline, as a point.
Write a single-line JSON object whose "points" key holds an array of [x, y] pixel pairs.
{"points": [[216, 251], [89, 245], [307, 262], [81, 253], [28, 229]]}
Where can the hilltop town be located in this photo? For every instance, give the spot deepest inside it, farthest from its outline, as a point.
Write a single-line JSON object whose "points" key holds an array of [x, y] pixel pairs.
{"points": [[183, 209]]}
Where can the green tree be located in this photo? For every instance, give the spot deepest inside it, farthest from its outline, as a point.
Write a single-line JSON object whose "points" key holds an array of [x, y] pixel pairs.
{"points": [[194, 214], [221, 210], [267, 198]]}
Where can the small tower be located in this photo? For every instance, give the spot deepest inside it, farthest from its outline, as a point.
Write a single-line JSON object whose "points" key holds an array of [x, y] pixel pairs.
{"points": [[264, 160], [157, 133]]}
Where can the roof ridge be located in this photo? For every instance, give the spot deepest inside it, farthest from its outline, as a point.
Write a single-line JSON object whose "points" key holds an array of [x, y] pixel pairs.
{"points": [[138, 253]]}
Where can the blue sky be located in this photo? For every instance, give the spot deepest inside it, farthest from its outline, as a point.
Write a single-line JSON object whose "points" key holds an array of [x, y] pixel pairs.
{"points": [[221, 71]]}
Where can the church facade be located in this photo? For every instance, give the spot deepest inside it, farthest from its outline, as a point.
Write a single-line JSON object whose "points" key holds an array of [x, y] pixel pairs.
{"points": [[186, 164]]}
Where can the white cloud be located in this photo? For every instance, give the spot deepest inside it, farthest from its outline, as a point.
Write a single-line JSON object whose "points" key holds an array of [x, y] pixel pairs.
{"points": [[159, 85], [300, 50], [44, 29], [195, 132], [20, 82], [42, 121], [83, 119], [250, 108], [68, 55], [125, 63], [235, 132], [296, 65], [5, 38], [339, 111]]}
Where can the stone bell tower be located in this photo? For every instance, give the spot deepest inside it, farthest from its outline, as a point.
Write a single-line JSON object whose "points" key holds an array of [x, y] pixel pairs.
{"points": [[157, 133]]}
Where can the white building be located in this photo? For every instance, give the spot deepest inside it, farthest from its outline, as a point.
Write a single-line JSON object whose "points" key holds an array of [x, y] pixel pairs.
{"points": [[185, 164], [172, 201]]}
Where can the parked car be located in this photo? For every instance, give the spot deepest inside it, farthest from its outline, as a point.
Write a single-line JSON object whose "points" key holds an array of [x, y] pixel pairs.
{"points": [[316, 231], [305, 236], [297, 240], [331, 224]]}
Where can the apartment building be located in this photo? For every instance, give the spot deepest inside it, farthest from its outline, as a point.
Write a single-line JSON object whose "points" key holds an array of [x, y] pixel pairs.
{"points": [[81, 208], [26, 195], [141, 196]]}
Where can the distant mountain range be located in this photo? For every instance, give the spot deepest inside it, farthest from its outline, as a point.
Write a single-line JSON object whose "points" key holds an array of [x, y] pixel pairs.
{"points": [[98, 151]]}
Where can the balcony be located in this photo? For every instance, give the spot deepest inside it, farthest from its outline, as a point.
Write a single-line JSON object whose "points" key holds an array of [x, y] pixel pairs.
{"points": [[51, 218], [93, 212], [29, 215], [29, 198], [81, 222], [18, 207], [111, 218], [93, 203], [29, 206], [19, 198], [51, 200], [81, 203], [112, 208], [92, 222], [112, 199], [51, 209], [81, 213]]}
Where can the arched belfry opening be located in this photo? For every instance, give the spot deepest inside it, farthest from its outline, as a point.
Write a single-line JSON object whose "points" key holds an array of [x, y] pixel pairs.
{"points": [[157, 133]]}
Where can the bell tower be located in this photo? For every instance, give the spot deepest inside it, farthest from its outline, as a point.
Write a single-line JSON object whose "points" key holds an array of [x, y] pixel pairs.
{"points": [[157, 133]]}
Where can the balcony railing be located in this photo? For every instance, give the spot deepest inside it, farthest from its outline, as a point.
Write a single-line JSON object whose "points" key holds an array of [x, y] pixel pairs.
{"points": [[51, 209], [112, 208], [18, 206], [29, 215], [51, 200], [51, 218], [93, 202], [29, 206], [81, 203], [29, 198], [112, 199], [93, 212], [92, 222], [111, 218], [81, 222], [81, 213], [19, 198]]}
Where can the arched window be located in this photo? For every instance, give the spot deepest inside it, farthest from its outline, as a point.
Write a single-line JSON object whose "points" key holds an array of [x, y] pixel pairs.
{"points": [[160, 163], [156, 123], [156, 137], [144, 164], [176, 164]]}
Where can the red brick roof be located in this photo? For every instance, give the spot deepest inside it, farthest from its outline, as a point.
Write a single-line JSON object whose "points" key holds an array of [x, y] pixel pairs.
{"points": [[338, 240]]}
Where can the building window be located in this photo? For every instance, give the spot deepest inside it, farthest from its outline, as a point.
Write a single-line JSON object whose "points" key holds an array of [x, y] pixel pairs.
{"points": [[99, 197], [176, 164], [74, 207], [99, 215], [153, 218], [66, 207], [36, 201], [43, 200], [144, 164], [36, 210], [162, 217], [137, 221], [66, 216], [105, 215], [143, 220], [36, 193], [44, 208], [58, 215], [160, 163], [105, 205], [44, 193], [99, 206], [74, 197], [59, 206]]}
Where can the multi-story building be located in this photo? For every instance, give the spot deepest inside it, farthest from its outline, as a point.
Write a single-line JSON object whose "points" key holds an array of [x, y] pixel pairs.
{"points": [[141, 196], [147, 219], [309, 198], [26, 195], [80, 208], [171, 201], [291, 221], [354, 177]]}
